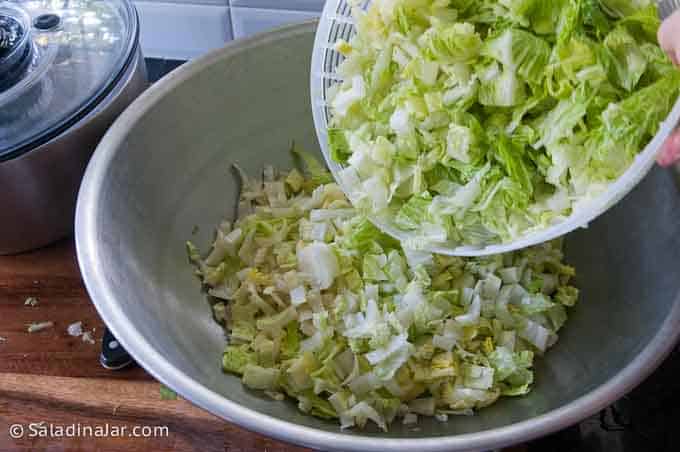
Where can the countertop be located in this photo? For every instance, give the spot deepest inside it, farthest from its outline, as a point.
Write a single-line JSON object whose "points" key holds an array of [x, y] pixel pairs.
{"points": [[51, 381], [52, 377]]}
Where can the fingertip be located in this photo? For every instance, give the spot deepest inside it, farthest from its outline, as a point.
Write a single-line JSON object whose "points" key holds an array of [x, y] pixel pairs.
{"points": [[668, 35], [670, 151], [661, 35], [662, 162]]}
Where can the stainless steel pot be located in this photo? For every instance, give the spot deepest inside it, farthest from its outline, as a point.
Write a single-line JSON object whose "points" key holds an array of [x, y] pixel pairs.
{"points": [[164, 168], [82, 68]]}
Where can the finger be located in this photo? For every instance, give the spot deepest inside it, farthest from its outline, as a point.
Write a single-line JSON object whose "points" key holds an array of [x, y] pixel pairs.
{"points": [[670, 150], [669, 37]]}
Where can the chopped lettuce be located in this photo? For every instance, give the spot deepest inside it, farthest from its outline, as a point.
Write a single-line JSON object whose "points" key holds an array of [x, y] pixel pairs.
{"points": [[522, 52], [357, 328], [477, 122]]}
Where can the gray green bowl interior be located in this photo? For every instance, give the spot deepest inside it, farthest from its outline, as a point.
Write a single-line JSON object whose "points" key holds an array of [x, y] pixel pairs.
{"points": [[164, 167]]}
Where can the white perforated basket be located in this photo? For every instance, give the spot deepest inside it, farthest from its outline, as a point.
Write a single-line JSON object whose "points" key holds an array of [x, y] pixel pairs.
{"points": [[336, 23]]}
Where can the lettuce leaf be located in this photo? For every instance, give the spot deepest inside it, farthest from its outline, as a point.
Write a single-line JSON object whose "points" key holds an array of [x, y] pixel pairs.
{"points": [[434, 91]]}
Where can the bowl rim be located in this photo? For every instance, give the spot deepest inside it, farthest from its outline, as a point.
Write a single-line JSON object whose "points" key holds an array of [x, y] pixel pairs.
{"points": [[103, 294]]}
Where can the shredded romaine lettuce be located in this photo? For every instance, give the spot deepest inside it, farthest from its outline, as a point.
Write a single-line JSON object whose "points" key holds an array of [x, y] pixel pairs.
{"points": [[476, 122], [354, 327]]}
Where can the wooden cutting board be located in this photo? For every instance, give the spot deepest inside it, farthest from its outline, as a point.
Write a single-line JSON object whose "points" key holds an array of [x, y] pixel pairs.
{"points": [[50, 380], [52, 377]]}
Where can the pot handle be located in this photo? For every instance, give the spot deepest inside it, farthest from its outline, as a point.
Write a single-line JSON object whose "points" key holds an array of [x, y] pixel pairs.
{"points": [[113, 356]]}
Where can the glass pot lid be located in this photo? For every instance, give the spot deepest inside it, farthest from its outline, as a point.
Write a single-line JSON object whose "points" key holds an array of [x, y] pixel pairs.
{"points": [[58, 60]]}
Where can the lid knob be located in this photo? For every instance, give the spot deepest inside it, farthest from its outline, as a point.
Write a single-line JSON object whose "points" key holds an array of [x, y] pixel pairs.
{"points": [[46, 22]]}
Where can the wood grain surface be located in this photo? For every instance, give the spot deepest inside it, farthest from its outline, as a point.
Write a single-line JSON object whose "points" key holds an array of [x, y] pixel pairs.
{"points": [[52, 377], [50, 380]]}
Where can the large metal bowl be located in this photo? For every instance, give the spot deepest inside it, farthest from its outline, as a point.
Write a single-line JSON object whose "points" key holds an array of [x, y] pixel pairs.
{"points": [[164, 167]]}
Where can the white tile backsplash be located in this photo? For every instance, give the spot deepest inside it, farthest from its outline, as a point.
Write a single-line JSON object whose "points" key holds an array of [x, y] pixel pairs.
{"points": [[185, 29], [248, 21], [182, 31], [187, 2], [305, 5]]}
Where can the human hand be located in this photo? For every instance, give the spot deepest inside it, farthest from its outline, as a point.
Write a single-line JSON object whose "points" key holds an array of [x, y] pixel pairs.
{"points": [[669, 39]]}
